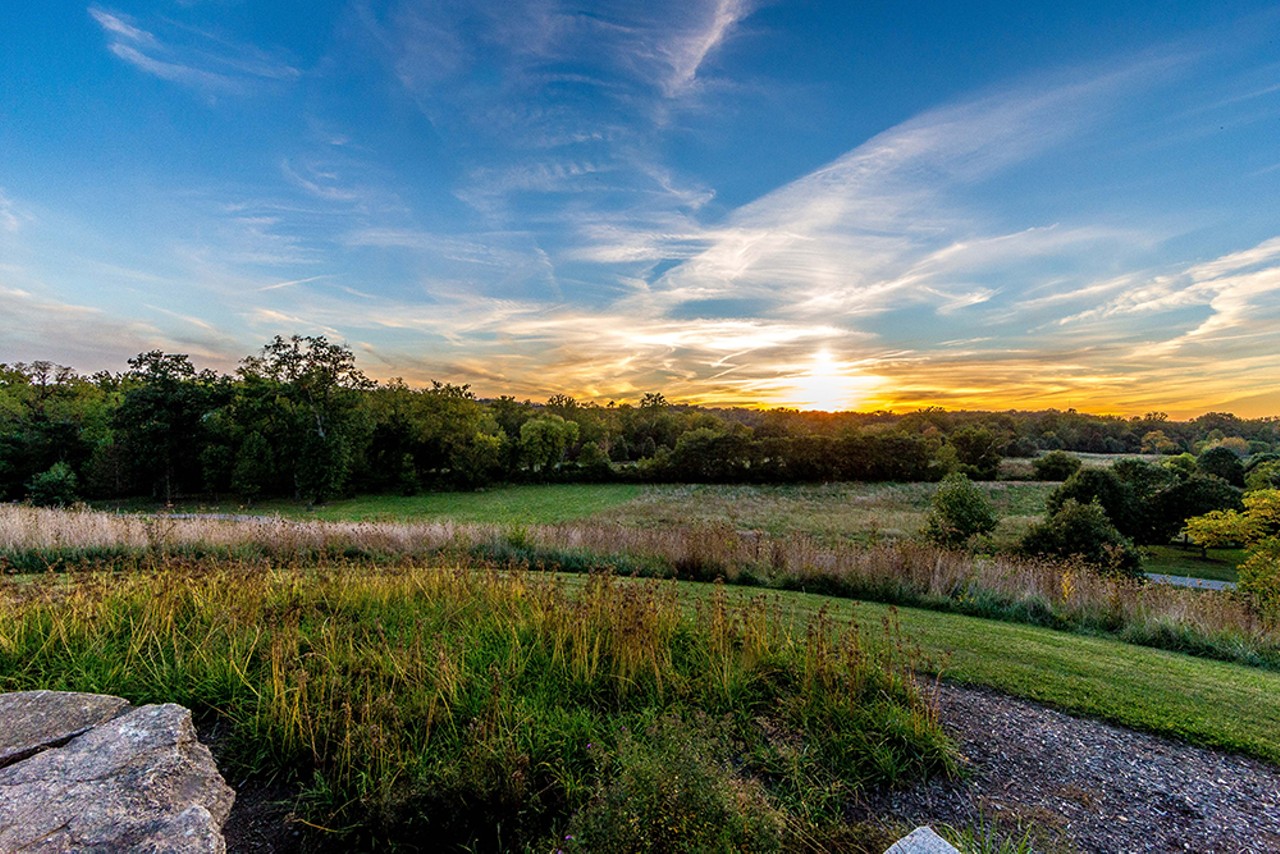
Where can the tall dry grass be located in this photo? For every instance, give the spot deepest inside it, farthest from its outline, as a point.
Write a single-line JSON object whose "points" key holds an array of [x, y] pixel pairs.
{"points": [[484, 708], [1065, 596]]}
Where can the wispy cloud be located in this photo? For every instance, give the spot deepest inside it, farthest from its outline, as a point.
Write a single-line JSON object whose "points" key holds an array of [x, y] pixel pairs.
{"points": [[199, 59], [90, 338], [547, 98], [275, 286], [11, 216], [685, 51]]}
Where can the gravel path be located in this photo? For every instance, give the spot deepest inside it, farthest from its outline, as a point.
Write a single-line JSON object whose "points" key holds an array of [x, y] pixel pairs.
{"points": [[1184, 581], [1081, 784], [1091, 786]]}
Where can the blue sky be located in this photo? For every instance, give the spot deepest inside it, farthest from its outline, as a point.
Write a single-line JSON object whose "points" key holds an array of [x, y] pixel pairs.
{"points": [[809, 204]]}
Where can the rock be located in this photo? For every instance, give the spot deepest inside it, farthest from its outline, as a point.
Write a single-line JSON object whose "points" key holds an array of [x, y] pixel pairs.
{"points": [[922, 840], [140, 781], [36, 720]]}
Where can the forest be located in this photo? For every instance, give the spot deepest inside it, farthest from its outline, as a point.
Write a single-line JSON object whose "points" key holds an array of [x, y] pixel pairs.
{"points": [[300, 419]]}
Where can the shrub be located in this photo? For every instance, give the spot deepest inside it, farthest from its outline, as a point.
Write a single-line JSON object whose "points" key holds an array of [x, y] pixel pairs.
{"points": [[1258, 528], [1083, 532], [55, 487], [1259, 577], [960, 513], [1056, 465], [672, 789], [1102, 486]]}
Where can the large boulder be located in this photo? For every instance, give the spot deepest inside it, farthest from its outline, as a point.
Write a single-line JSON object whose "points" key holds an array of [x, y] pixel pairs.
{"points": [[83, 772]]}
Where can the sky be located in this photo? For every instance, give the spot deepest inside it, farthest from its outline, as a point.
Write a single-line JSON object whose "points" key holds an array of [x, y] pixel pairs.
{"points": [[808, 204]]}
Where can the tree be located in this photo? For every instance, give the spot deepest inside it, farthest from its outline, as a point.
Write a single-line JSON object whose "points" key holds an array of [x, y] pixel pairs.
{"points": [[306, 392], [594, 462], [160, 421], [1257, 528], [960, 513], [709, 455], [1191, 496], [543, 441], [1156, 442], [1083, 532], [979, 451], [253, 470], [1147, 519], [55, 487], [1105, 488], [48, 414], [1222, 462], [1265, 475], [1056, 465]]}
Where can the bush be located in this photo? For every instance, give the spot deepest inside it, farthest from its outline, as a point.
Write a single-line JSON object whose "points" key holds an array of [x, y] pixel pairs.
{"points": [[1257, 528], [1056, 465], [1083, 532], [1259, 577], [1102, 486], [55, 487], [672, 789], [960, 513]]}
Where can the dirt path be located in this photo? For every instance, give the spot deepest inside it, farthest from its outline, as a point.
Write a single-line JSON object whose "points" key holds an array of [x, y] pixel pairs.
{"points": [[1092, 786]]}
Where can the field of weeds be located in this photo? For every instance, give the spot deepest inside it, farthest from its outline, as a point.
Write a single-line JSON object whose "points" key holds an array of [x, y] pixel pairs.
{"points": [[499, 709], [1062, 596]]}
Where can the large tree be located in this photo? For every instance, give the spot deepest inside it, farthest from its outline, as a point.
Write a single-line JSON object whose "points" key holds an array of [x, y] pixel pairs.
{"points": [[304, 392], [160, 420]]}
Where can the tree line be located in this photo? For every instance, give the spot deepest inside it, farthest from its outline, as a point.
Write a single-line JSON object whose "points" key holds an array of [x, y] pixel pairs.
{"points": [[300, 419]]}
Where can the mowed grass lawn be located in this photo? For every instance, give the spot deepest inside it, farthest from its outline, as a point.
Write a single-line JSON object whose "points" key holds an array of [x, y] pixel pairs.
{"points": [[1218, 564], [543, 504], [1205, 702]]}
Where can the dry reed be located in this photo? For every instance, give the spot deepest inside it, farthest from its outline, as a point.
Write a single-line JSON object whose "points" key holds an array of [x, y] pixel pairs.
{"points": [[1217, 624]]}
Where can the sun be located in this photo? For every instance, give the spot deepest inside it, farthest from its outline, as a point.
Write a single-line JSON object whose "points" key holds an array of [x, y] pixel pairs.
{"points": [[826, 384]]}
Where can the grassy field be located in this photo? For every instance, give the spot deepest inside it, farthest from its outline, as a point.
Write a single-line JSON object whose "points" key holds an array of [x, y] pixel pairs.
{"points": [[1218, 564], [500, 710], [1205, 702], [864, 512], [829, 513], [546, 504], [436, 700]]}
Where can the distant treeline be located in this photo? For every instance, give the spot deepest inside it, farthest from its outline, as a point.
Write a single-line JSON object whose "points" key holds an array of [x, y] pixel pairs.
{"points": [[300, 419]]}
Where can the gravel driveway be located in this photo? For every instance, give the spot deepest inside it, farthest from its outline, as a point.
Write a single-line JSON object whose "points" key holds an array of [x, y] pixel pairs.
{"points": [[1091, 786]]}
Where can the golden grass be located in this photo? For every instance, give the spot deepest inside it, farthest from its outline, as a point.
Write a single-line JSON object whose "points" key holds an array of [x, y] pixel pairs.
{"points": [[1051, 593]]}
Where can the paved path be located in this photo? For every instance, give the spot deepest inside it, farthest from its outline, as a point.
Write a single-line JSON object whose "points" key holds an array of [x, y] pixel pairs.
{"points": [[1184, 581]]}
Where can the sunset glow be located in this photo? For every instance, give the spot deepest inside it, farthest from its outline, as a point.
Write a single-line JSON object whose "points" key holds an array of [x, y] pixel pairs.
{"points": [[829, 386], [822, 205]]}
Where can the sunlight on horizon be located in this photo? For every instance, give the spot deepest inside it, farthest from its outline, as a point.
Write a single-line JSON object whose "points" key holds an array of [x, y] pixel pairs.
{"points": [[826, 384]]}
